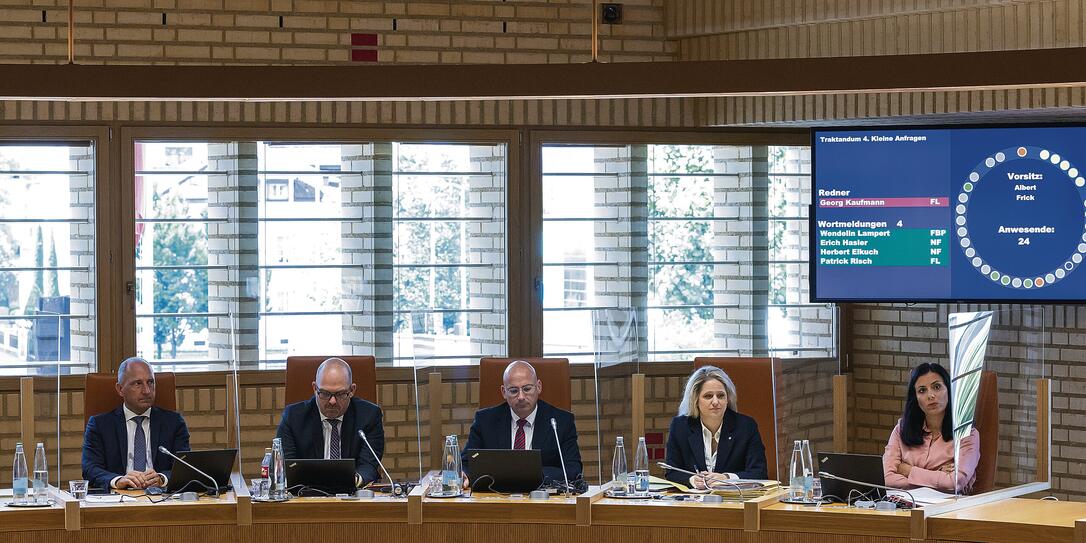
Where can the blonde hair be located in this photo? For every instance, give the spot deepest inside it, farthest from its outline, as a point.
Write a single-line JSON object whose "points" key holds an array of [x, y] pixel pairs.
{"points": [[689, 405]]}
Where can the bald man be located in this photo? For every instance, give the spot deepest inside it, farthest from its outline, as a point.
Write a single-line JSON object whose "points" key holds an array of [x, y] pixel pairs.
{"points": [[524, 422], [120, 447], [326, 425]]}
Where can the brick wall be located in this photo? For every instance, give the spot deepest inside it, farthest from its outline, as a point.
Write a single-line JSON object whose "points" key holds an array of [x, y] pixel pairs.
{"points": [[320, 32]]}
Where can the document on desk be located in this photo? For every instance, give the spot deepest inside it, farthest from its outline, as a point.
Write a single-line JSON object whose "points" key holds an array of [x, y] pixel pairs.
{"points": [[105, 498], [923, 495]]}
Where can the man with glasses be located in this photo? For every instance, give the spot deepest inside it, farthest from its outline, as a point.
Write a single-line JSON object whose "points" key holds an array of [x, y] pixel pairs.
{"points": [[120, 447], [326, 425], [524, 422]]}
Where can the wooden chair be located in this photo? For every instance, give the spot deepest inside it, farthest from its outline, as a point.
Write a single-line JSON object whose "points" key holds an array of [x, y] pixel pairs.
{"points": [[554, 372], [302, 371], [756, 381], [100, 393]]}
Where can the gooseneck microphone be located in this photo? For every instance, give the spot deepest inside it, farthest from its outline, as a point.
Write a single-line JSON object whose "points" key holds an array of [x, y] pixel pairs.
{"points": [[561, 457], [167, 452], [396, 489], [829, 475]]}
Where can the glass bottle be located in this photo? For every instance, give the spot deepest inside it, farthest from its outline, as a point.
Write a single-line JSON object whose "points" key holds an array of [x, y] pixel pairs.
{"points": [[19, 476], [619, 473], [41, 475], [450, 468], [795, 473], [277, 472], [641, 467], [808, 472]]}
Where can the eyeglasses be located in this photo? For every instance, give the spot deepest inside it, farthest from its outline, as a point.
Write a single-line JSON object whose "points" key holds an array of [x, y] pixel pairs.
{"points": [[327, 395], [513, 391]]}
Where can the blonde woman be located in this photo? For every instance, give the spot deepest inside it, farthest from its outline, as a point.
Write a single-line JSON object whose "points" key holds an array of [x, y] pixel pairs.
{"points": [[710, 437]]}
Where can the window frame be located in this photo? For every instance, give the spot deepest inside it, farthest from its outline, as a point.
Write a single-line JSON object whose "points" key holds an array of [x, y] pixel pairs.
{"points": [[540, 137], [107, 280], [303, 134]]}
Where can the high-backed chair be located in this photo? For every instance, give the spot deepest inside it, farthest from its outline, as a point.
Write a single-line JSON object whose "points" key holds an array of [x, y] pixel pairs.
{"points": [[302, 371], [100, 393], [554, 372], [986, 421], [756, 381]]}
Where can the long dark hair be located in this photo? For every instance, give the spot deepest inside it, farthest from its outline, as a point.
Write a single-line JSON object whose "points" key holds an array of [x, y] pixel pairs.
{"points": [[912, 420]]}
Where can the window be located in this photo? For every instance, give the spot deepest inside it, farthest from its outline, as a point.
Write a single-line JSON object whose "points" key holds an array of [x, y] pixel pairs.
{"points": [[47, 258], [706, 243], [390, 249]]}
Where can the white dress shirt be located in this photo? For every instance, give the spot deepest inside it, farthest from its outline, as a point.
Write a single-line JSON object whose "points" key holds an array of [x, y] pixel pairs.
{"points": [[327, 428], [707, 438], [529, 428], [130, 425]]}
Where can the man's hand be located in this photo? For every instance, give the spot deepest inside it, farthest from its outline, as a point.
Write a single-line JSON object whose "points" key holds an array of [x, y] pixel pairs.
{"points": [[904, 469]]}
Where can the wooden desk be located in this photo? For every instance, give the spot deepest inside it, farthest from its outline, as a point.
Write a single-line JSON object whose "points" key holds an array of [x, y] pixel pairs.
{"points": [[18, 519], [835, 519], [496, 509], [332, 510], [667, 513], [1010, 521]]}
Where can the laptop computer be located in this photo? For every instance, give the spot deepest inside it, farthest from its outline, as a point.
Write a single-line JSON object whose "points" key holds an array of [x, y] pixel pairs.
{"points": [[866, 468], [505, 470], [319, 477], [218, 463]]}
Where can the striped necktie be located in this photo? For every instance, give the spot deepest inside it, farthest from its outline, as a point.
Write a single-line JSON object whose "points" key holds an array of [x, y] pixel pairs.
{"points": [[518, 442], [334, 448]]}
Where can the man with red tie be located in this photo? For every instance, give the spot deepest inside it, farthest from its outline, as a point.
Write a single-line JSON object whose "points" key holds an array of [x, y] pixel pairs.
{"points": [[524, 422]]}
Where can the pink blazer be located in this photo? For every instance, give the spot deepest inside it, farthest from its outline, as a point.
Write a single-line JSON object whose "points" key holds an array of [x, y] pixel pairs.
{"points": [[926, 460]]}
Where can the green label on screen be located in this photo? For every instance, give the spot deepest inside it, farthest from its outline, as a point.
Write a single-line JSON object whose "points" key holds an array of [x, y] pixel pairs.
{"points": [[883, 247]]}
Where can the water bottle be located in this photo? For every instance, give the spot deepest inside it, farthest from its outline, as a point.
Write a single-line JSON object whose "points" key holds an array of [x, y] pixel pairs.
{"points": [[795, 473], [619, 474], [641, 467], [450, 468], [41, 475], [265, 467], [277, 472], [808, 472], [19, 476]]}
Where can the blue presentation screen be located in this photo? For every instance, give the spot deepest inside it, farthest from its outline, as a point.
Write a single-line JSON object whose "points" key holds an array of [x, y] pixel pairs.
{"points": [[949, 214]]}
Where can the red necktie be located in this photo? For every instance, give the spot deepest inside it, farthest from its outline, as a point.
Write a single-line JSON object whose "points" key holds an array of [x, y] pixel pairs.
{"points": [[518, 443]]}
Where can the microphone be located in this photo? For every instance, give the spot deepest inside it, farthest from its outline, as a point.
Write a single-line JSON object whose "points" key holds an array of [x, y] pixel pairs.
{"points": [[396, 489], [561, 457], [165, 451], [829, 475]]}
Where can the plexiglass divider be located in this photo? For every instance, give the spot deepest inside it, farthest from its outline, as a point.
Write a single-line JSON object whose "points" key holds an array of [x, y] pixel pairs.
{"points": [[804, 388], [421, 355], [997, 359], [616, 347]]}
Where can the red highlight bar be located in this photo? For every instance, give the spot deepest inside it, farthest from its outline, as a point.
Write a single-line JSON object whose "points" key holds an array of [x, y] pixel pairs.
{"points": [[935, 201]]}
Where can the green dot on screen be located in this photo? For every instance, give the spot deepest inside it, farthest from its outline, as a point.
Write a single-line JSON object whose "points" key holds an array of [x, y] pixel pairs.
{"points": [[1006, 280], [968, 187], [994, 276]]}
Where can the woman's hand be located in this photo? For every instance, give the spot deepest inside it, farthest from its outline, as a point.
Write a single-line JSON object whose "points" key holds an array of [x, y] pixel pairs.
{"points": [[949, 467], [903, 468], [705, 479]]}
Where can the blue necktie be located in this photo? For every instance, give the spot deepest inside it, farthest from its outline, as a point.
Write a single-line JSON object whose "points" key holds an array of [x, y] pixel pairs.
{"points": [[334, 447], [139, 446]]}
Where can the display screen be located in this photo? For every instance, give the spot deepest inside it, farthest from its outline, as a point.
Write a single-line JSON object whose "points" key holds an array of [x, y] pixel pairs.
{"points": [[949, 214]]}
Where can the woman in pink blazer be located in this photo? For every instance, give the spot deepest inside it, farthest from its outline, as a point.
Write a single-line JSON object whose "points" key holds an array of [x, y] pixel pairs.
{"points": [[920, 452]]}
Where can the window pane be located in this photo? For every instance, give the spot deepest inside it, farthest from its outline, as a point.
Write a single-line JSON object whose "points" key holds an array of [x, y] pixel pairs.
{"points": [[47, 258]]}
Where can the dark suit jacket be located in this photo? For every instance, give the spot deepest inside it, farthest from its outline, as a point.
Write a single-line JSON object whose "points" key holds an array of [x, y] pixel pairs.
{"points": [[740, 450], [492, 429], [105, 444], [302, 433]]}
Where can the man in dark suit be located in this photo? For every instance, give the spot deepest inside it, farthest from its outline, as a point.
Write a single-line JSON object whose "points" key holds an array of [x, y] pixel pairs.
{"points": [[120, 447], [326, 425], [524, 422]]}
